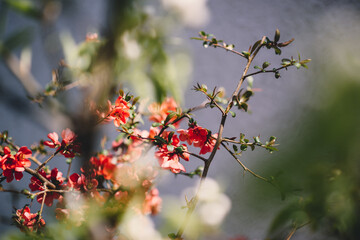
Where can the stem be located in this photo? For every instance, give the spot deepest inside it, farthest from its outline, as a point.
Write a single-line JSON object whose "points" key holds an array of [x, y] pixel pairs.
{"points": [[40, 177], [47, 160], [197, 156], [42, 203], [267, 71], [242, 165]]}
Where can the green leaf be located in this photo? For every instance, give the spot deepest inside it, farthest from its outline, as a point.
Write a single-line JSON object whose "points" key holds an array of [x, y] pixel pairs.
{"points": [[257, 67], [156, 124], [277, 36], [277, 51], [256, 44], [172, 235], [265, 65], [297, 65], [243, 147], [257, 139], [246, 54], [202, 33], [25, 7], [244, 106], [235, 148], [232, 114]]}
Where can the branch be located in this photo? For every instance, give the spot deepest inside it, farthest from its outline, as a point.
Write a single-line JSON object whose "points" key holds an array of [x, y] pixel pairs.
{"points": [[47, 160], [40, 177], [242, 165]]}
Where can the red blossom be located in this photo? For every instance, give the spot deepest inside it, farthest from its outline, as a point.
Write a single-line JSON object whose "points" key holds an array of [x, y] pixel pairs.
{"points": [[14, 165], [68, 146], [120, 111], [159, 112], [82, 183], [54, 177], [26, 220], [103, 165], [168, 155], [199, 137]]}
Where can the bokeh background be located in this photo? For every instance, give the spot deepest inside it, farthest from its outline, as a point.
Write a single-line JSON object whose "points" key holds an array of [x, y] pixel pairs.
{"points": [[314, 113]]}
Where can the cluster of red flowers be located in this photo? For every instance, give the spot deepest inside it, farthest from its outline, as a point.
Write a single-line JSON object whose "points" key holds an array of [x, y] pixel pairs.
{"points": [[199, 137], [117, 170], [120, 112], [68, 146], [26, 220], [14, 165], [54, 177]]}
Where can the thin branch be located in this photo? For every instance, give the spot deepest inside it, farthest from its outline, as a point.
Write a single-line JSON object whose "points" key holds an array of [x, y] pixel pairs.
{"points": [[267, 71], [242, 165], [197, 156], [40, 177], [47, 160], [221, 46]]}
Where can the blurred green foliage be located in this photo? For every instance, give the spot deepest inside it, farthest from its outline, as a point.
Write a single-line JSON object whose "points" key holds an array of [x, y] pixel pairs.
{"points": [[319, 179]]}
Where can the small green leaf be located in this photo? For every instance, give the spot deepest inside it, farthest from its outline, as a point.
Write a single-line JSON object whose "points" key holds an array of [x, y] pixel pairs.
{"points": [[265, 65], [257, 67], [172, 235], [257, 139], [256, 44], [277, 51], [277, 36], [202, 33], [246, 54], [297, 65], [156, 124], [232, 114], [235, 148], [243, 147]]}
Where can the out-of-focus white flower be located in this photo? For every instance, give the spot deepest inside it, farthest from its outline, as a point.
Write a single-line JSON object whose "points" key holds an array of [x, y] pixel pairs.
{"points": [[194, 13], [213, 212], [139, 227], [131, 47]]}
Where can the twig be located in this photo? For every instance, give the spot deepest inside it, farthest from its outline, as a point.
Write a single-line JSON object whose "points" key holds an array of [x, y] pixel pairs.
{"points": [[242, 165], [197, 156], [40, 177], [267, 71], [47, 160]]}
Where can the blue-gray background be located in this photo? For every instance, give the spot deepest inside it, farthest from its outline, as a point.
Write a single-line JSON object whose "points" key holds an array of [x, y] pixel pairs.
{"points": [[310, 22]]}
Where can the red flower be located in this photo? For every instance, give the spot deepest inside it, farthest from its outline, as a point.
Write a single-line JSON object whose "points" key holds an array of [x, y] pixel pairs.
{"points": [[103, 165], [200, 137], [26, 220], [36, 185], [120, 111], [159, 112], [168, 155], [14, 165], [69, 146], [81, 183]]}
